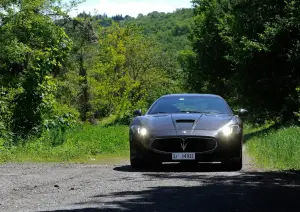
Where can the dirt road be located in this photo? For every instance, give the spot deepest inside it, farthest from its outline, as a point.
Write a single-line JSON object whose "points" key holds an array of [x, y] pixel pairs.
{"points": [[57, 187]]}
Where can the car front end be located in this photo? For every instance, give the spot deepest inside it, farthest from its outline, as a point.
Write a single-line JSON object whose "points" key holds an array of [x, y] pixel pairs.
{"points": [[181, 128], [187, 145]]}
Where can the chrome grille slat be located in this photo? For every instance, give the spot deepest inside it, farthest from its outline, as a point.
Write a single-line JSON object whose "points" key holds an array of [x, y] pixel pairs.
{"points": [[174, 144]]}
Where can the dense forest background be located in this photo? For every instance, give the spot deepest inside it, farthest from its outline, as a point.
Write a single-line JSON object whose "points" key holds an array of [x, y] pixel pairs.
{"points": [[57, 71]]}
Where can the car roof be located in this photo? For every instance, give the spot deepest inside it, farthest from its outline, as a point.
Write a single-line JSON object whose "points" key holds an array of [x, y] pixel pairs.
{"points": [[190, 95]]}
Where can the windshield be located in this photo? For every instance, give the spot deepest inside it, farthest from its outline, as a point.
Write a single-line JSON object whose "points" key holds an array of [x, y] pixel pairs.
{"points": [[190, 104]]}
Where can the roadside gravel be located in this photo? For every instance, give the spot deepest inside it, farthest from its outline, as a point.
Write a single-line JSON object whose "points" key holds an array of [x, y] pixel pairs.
{"points": [[78, 187]]}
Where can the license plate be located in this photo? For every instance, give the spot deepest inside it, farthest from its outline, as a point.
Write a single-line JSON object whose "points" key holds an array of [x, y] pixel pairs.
{"points": [[183, 156]]}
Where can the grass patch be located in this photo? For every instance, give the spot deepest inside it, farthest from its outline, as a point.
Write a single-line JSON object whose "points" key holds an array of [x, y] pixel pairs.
{"points": [[274, 148], [270, 147], [84, 144]]}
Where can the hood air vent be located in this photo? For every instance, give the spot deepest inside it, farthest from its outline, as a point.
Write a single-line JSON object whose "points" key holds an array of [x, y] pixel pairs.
{"points": [[185, 121]]}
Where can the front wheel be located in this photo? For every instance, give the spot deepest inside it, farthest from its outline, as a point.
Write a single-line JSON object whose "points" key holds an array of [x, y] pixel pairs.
{"points": [[136, 164], [141, 162]]}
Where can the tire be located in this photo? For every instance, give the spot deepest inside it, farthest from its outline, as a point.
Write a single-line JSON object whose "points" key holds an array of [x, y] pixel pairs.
{"points": [[135, 164], [235, 164], [140, 163]]}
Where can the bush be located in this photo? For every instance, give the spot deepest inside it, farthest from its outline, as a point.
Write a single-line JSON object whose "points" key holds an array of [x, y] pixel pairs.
{"points": [[55, 128]]}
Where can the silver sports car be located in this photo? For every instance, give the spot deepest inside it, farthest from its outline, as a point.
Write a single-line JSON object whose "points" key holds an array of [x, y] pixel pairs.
{"points": [[187, 128]]}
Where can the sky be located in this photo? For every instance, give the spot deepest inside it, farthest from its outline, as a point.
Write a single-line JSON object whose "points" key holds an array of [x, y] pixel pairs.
{"points": [[131, 7]]}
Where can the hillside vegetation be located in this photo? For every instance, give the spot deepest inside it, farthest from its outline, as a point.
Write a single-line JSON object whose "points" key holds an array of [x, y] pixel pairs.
{"points": [[58, 73], [171, 30]]}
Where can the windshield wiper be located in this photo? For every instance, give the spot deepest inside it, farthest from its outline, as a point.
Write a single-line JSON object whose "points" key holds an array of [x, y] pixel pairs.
{"points": [[158, 112], [190, 111], [187, 111]]}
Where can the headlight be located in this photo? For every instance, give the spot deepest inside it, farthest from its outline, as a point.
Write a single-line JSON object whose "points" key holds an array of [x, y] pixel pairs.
{"points": [[140, 130], [231, 129]]}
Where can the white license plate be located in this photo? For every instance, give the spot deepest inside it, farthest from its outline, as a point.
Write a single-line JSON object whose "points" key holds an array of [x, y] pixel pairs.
{"points": [[183, 156]]}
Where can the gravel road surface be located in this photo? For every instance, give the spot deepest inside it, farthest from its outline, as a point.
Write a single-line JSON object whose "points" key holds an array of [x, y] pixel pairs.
{"points": [[58, 187]]}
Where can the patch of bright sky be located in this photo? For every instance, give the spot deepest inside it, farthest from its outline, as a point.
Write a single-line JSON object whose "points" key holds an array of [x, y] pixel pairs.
{"points": [[130, 7]]}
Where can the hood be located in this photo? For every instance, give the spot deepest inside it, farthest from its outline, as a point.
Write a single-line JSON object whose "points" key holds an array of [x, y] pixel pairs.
{"points": [[185, 121]]}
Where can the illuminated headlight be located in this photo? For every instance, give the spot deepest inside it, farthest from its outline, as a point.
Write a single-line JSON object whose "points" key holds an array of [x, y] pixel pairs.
{"points": [[140, 130], [231, 129]]}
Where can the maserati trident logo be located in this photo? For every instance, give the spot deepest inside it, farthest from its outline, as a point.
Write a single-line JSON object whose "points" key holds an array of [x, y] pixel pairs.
{"points": [[183, 145]]}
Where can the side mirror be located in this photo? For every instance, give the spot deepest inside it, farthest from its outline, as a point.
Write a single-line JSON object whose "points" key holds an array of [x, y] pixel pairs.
{"points": [[242, 113], [137, 112]]}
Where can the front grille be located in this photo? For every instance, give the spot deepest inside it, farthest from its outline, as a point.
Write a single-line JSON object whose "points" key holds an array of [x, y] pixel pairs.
{"points": [[198, 144], [167, 144]]}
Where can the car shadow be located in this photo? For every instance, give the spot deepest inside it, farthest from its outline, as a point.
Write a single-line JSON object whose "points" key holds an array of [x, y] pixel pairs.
{"points": [[201, 167], [244, 191]]}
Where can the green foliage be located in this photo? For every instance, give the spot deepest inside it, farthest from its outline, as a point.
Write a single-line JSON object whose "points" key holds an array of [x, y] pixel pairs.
{"points": [[32, 47], [56, 70], [276, 149], [248, 52], [297, 113], [63, 118], [171, 30], [123, 71], [83, 33], [5, 117], [210, 70], [127, 68]]}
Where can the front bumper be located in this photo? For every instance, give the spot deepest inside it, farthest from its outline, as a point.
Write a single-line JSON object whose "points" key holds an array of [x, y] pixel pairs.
{"points": [[226, 148]]}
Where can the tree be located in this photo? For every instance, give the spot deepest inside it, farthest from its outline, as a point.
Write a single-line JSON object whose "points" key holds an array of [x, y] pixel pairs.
{"points": [[210, 70], [131, 72], [248, 51], [32, 46], [83, 33]]}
